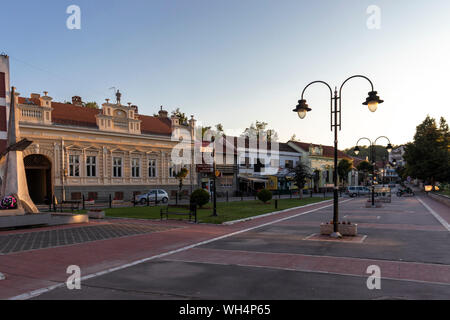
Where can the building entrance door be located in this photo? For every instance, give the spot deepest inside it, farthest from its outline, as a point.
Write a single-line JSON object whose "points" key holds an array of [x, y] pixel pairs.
{"points": [[39, 178]]}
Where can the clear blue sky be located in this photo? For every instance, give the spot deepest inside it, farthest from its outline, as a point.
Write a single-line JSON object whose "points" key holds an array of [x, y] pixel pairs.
{"points": [[237, 61]]}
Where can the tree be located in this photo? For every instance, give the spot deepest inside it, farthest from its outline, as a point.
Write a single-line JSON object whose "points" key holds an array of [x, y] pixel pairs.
{"points": [[344, 167], [204, 130], [301, 172], [181, 116], [401, 171], [180, 176], [92, 105], [427, 157], [365, 167], [264, 195], [213, 132], [200, 197], [259, 129], [316, 179], [219, 128]]}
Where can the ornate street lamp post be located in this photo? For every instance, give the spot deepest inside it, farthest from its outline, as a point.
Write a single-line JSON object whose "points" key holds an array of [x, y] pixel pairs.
{"points": [[302, 108], [213, 139], [373, 159]]}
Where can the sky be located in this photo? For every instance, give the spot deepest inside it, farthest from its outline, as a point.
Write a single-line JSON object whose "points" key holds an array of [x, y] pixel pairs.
{"points": [[238, 61]]}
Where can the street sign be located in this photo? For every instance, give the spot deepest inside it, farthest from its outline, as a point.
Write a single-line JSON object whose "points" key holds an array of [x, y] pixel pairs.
{"points": [[204, 168]]}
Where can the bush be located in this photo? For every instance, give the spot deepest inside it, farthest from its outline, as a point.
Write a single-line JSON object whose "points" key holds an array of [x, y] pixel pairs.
{"points": [[264, 195], [200, 197]]}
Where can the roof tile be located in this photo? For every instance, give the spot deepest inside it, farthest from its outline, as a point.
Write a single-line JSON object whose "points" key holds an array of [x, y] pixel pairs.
{"points": [[71, 115]]}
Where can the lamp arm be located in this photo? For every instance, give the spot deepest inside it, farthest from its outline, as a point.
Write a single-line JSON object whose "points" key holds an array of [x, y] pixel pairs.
{"points": [[352, 77], [364, 138], [318, 81], [370, 146], [331, 95], [356, 76], [382, 137]]}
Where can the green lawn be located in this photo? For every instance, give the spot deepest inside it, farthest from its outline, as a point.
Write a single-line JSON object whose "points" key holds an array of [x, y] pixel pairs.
{"points": [[226, 211]]}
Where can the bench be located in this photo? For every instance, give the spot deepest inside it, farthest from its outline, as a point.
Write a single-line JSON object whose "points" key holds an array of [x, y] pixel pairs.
{"points": [[72, 204], [383, 194], [192, 207]]}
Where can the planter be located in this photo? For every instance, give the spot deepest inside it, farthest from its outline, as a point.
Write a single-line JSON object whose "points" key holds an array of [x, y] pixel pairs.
{"points": [[96, 214], [344, 229], [369, 204]]}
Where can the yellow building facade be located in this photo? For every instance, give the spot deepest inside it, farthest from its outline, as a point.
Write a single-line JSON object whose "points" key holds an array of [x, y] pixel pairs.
{"points": [[114, 150]]}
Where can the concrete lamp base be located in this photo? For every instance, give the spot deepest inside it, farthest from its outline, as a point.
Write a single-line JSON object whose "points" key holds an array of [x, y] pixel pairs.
{"points": [[336, 235], [377, 205]]}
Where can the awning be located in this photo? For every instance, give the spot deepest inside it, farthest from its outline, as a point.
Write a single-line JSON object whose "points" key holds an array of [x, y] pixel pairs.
{"points": [[252, 179]]}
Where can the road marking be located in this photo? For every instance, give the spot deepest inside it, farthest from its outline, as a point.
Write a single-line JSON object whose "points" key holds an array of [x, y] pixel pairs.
{"points": [[436, 215], [38, 292]]}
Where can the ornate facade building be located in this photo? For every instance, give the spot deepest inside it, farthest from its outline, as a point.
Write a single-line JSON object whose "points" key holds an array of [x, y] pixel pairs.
{"points": [[113, 150]]}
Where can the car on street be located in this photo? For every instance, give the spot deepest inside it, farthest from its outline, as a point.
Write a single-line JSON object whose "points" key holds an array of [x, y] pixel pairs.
{"points": [[354, 191], [158, 194]]}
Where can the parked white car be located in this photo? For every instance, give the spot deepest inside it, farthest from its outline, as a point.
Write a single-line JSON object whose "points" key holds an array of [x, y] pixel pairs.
{"points": [[357, 190], [161, 196]]}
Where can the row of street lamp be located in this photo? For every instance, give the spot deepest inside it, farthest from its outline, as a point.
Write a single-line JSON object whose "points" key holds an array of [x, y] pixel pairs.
{"points": [[373, 158], [372, 102]]}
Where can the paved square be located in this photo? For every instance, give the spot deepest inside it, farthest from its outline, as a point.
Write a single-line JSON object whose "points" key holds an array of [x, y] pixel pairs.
{"points": [[267, 258]]}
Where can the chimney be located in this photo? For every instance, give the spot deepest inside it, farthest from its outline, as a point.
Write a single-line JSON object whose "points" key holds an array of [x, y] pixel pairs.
{"points": [[162, 113], [45, 100], [76, 101], [175, 120], [35, 96], [192, 122], [135, 108]]}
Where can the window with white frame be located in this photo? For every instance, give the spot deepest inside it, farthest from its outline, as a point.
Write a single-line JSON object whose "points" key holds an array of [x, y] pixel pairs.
{"points": [[117, 167], [74, 165], [152, 168], [135, 167], [91, 166]]}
